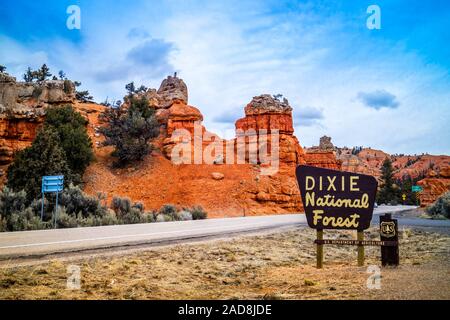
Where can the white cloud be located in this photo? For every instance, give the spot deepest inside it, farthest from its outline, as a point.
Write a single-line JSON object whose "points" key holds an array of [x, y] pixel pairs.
{"points": [[228, 53]]}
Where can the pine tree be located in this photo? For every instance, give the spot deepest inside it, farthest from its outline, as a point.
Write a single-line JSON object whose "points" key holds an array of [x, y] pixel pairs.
{"points": [[130, 88], [130, 130], [44, 157], [74, 139], [2, 68], [83, 96], [29, 75], [43, 73], [62, 75], [387, 193]]}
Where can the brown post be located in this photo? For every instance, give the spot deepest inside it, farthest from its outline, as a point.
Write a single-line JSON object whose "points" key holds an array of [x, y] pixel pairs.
{"points": [[360, 237], [389, 232], [319, 250]]}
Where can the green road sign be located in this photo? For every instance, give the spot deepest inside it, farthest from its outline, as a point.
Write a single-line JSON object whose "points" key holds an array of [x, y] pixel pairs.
{"points": [[416, 188]]}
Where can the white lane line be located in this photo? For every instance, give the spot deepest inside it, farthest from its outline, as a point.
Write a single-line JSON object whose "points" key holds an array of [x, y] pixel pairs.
{"points": [[137, 235]]}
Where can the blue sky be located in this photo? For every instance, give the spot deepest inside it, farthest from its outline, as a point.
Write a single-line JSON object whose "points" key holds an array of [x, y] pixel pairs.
{"points": [[387, 88]]}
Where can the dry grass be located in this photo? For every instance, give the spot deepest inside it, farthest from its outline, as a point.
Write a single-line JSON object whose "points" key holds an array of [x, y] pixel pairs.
{"points": [[270, 266]]}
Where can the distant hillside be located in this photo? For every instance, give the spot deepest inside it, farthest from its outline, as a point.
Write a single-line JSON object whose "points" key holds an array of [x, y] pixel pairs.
{"points": [[369, 161]]}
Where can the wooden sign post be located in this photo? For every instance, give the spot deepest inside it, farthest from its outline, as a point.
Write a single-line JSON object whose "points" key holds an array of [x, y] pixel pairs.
{"points": [[319, 249], [343, 200], [389, 232], [360, 237]]}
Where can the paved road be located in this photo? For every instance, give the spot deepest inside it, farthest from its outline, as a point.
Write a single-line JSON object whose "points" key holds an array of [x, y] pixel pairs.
{"points": [[44, 242]]}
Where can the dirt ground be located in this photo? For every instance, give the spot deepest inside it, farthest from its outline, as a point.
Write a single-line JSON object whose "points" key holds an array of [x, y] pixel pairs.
{"points": [[276, 265]]}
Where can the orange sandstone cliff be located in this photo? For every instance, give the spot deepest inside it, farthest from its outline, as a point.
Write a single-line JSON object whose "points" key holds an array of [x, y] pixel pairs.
{"points": [[432, 170], [239, 188], [227, 186], [434, 186], [323, 155], [22, 110], [235, 183]]}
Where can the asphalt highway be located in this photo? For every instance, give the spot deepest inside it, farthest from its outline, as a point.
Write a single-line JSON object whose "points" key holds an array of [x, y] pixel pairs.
{"points": [[46, 242]]}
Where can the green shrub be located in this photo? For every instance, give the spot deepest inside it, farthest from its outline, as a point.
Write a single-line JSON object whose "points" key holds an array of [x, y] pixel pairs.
{"points": [[109, 219], [441, 207], [70, 126], [76, 201], [3, 224], [164, 218], [130, 130], [12, 202], [65, 220], [132, 217], [76, 209], [149, 217], [169, 209], [25, 220], [139, 206], [15, 215], [121, 206], [198, 213], [184, 215], [44, 157]]}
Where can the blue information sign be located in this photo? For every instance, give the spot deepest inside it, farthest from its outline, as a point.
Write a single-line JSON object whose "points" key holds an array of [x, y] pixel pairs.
{"points": [[51, 184]]}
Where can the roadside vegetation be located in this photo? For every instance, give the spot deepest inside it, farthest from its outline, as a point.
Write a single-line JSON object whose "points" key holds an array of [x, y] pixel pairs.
{"points": [[63, 147], [77, 209], [440, 209]]}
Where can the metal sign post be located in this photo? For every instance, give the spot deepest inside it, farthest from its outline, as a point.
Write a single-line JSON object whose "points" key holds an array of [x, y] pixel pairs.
{"points": [[51, 184]]}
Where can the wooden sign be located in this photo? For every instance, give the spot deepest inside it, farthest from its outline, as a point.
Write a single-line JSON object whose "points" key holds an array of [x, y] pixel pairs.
{"points": [[358, 242], [344, 200], [336, 199]]}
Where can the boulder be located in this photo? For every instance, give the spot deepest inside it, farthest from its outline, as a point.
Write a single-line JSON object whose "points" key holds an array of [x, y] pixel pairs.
{"points": [[172, 88], [217, 176], [323, 156], [325, 143]]}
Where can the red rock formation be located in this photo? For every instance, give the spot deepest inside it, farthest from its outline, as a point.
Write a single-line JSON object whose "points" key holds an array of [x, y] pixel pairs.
{"points": [[22, 110], [323, 159], [434, 187], [182, 116], [366, 161], [323, 156], [277, 192], [369, 161], [223, 188], [15, 134]]}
